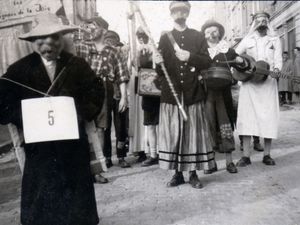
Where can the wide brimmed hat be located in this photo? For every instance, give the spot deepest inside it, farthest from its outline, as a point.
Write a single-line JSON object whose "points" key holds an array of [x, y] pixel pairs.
{"points": [[99, 21], [179, 5], [45, 25], [213, 23]]}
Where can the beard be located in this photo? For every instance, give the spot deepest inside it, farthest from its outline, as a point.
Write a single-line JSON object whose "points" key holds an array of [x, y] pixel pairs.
{"points": [[180, 21], [262, 28]]}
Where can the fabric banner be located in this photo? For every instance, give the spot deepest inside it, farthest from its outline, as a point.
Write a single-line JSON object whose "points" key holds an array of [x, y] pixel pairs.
{"points": [[19, 9]]}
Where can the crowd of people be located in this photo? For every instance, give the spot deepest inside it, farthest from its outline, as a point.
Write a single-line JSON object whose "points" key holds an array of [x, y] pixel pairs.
{"points": [[57, 186]]}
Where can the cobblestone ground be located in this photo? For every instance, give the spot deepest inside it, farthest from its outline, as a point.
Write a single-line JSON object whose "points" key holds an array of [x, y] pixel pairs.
{"points": [[256, 195]]}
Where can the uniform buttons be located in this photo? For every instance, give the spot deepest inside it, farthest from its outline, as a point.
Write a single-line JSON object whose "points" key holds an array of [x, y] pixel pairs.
{"points": [[182, 44], [181, 81], [185, 64], [181, 74], [181, 67], [104, 58], [182, 37]]}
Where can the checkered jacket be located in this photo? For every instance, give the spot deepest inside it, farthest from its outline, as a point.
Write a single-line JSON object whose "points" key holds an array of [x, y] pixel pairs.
{"points": [[107, 64]]}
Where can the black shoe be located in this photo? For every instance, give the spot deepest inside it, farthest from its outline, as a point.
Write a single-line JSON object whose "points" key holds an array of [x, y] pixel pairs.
{"points": [[150, 161], [212, 170], [244, 161], [142, 157], [257, 147], [195, 182], [231, 168], [176, 180], [123, 164], [108, 163], [99, 179], [268, 160]]}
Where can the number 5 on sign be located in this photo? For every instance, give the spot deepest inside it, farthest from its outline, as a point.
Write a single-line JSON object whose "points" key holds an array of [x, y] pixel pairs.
{"points": [[49, 119]]}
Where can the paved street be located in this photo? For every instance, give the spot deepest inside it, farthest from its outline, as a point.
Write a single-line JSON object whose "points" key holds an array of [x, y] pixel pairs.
{"points": [[256, 195]]}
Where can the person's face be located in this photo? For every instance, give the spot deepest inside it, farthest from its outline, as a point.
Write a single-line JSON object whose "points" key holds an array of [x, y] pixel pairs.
{"points": [[285, 57], [111, 41], [143, 40], [212, 34], [49, 47], [261, 22], [180, 15], [94, 30]]}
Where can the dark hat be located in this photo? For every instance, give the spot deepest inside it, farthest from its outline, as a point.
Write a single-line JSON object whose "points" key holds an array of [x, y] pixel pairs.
{"points": [[99, 21], [261, 13], [179, 4], [112, 34], [46, 24], [213, 23]]}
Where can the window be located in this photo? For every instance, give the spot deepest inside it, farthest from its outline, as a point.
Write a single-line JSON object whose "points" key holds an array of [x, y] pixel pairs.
{"points": [[291, 35]]}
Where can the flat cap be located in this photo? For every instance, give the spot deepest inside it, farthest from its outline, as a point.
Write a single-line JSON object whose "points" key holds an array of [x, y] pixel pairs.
{"points": [[180, 4], [260, 14], [99, 21]]}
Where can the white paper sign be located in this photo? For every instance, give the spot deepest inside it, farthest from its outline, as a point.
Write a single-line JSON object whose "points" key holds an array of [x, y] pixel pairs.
{"points": [[49, 119]]}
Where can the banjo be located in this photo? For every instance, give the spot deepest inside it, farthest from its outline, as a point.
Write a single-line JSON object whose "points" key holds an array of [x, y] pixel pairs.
{"points": [[259, 72]]}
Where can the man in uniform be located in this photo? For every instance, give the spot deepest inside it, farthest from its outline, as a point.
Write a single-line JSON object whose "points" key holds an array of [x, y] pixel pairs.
{"points": [[258, 107], [183, 145]]}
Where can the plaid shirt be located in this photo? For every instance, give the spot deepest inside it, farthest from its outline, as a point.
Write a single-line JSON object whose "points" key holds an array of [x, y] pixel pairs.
{"points": [[107, 64]]}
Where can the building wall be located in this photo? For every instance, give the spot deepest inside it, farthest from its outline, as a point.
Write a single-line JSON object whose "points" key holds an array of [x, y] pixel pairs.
{"points": [[236, 16]]}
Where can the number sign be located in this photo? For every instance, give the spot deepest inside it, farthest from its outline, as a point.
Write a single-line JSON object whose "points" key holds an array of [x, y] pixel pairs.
{"points": [[49, 119]]}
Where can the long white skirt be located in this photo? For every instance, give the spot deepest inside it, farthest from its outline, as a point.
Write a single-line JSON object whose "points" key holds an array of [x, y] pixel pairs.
{"points": [[258, 109]]}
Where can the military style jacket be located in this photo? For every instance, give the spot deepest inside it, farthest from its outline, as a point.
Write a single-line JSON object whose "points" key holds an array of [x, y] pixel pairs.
{"points": [[184, 75]]}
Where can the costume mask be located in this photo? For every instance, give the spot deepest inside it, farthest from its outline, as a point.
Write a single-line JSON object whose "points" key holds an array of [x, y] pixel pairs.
{"points": [[49, 47], [212, 34]]}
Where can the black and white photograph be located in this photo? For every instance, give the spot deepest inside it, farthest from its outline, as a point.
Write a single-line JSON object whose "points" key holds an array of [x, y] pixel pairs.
{"points": [[129, 112]]}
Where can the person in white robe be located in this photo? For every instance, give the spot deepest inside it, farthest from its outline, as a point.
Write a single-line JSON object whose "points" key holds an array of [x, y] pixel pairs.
{"points": [[258, 107]]}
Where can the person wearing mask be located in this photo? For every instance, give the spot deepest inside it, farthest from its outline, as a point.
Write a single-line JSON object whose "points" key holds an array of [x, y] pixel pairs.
{"points": [[258, 106], [57, 184], [183, 145], [150, 104], [107, 63]]}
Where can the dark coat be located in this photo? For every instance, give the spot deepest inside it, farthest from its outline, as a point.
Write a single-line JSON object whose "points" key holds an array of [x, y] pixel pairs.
{"points": [[231, 112], [57, 185], [184, 75]]}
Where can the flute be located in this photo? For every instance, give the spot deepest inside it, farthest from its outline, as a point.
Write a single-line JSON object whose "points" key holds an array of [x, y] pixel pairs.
{"points": [[152, 42]]}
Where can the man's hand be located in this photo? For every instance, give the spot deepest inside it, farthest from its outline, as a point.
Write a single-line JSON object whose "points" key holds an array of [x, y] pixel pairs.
{"points": [[123, 104], [158, 59], [239, 60], [182, 55]]}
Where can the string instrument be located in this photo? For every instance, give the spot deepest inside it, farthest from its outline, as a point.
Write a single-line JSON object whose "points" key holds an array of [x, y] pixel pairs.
{"points": [[259, 72]]}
